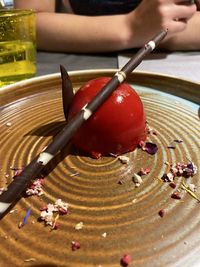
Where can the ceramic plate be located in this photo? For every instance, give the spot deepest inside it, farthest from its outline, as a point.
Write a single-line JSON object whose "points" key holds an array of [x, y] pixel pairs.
{"points": [[117, 217]]}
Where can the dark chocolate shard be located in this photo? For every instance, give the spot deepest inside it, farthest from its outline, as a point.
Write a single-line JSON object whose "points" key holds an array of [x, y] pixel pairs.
{"points": [[67, 91]]}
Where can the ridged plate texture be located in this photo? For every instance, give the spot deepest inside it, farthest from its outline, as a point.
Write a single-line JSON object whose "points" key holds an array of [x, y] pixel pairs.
{"points": [[118, 218]]}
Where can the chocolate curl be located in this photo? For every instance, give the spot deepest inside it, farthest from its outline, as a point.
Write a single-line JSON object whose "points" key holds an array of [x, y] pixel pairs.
{"points": [[33, 169], [67, 91]]}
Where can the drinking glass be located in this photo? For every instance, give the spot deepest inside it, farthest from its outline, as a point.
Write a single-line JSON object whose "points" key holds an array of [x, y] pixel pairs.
{"points": [[17, 45]]}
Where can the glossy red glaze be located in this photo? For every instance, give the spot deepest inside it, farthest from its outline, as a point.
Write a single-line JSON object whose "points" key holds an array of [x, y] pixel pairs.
{"points": [[116, 127]]}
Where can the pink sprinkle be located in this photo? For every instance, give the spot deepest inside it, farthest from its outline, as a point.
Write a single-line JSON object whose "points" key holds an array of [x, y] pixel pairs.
{"points": [[141, 144], [125, 260], [144, 171], [41, 181], [18, 172], [148, 170], [75, 245]]}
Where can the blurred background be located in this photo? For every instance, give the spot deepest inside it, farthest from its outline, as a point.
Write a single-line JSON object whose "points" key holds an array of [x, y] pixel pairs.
{"points": [[6, 3]]}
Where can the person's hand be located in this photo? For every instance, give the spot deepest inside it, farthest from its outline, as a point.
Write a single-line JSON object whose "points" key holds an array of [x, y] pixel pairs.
{"points": [[152, 16]]}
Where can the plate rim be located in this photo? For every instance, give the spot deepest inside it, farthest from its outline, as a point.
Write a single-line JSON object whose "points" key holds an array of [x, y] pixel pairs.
{"points": [[90, 71]]}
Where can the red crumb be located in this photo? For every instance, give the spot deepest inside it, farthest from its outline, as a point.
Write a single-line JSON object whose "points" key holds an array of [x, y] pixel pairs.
{"points": [[95, 155], [172, 185], [75, 245], [63, 211], [44, 208], [125, 260], [155, 132], [56, 226], [141, 144], [176, 195], [144, 171], [161, 213]]}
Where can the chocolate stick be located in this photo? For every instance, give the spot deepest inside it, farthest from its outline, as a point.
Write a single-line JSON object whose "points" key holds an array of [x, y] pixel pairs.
{"points": [[34, 168]]}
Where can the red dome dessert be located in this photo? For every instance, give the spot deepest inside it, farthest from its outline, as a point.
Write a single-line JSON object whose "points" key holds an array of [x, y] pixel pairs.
{"points": [[116, 127]]}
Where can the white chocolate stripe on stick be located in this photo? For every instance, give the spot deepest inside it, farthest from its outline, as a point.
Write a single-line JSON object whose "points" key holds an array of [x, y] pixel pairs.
{"points": [[152, 44], [121, 76], [87, 112], [44, 158], [4, 206]]}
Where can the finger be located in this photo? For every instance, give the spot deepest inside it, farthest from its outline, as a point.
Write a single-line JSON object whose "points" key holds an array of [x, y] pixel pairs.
{"points": [[177, 26], [183, 12], [185, 2]]}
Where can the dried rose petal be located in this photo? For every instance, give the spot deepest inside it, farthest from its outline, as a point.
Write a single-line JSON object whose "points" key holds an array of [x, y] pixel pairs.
{"points": [[182, 169], [36, 188], [151, 148], [75, 245], [47, 213], [125, 260]]}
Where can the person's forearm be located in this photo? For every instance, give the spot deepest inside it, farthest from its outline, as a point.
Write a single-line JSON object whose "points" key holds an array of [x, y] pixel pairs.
{"points": [[188, 39], [88, 34], [72, 33]]}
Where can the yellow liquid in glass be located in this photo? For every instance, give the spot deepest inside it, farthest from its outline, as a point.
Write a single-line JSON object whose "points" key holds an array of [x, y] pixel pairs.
{"points": [[17, 61]]}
